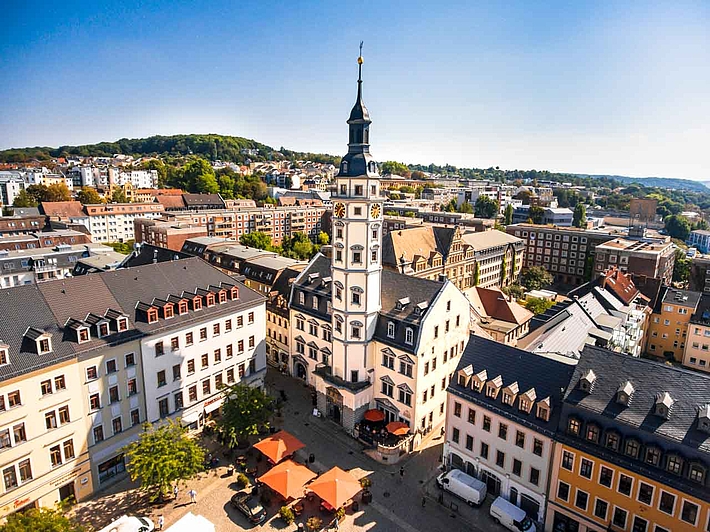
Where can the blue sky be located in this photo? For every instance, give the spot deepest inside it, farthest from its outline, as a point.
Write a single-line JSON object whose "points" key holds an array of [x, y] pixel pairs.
{"points": [[589, 87]]}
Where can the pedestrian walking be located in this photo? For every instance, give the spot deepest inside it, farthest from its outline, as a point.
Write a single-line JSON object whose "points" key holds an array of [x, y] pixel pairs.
{"points": [[175, 492], [401, 472], [161, 522], [423, 502], [193, 496]]}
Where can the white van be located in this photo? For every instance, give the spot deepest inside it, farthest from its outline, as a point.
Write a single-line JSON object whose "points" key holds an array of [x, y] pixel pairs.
{"points": [[470, 489], [511, 517], [130, 524]]}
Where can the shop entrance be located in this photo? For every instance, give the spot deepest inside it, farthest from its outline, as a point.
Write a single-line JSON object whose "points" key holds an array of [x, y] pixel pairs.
{"points": [[66, 492]]}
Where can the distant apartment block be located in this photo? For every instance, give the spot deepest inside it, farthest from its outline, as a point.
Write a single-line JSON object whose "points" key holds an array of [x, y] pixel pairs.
{"points": [[700, 240], [641, 258], [561, 217], [43, 239]]}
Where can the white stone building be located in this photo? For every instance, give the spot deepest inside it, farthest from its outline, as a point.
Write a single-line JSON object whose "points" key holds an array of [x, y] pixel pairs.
{"points": [[503, 407]]}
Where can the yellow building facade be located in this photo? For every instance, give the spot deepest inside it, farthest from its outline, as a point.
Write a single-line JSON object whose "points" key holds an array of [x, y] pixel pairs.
{"points": [[668, 324]]}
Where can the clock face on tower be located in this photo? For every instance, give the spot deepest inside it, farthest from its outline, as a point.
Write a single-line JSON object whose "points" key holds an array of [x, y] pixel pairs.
{"points": [[339, 210], [375, 210]]}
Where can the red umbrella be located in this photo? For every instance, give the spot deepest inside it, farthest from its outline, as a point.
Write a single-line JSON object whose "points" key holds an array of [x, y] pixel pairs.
{"points": [[397, 428], [374, 415]]}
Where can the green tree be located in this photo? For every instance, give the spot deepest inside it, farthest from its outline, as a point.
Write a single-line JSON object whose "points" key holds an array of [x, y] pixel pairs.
{"points": [[406, 189], [40, 520], [523, 195], [393, 167], [486, 207], [514, 290], [207, 184], [89, 196], [122, 247], [579, 218], [257, 240], [701, 224], [452, 206], [39, 193], [677, 226], [23, 199], [119, 196], [198, 176], [323, 239], [535, 278], [245, 411], [163, 456], [508, 215], [538, 305], [227, 184], [466, 208], [298, 246], [58, 192], [536, 214], [681, 268]]}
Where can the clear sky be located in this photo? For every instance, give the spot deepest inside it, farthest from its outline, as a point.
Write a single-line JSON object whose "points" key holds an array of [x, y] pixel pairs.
{"points": [[581, 86]]}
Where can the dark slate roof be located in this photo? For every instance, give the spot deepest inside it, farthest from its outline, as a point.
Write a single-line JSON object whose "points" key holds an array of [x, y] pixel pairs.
{"points": [[395, 286], [192, 200], [149, 254], [683, 298], [24, 307], [678, 434], [702, 313], [282, 288], [129, 286], [548, 376], [689, 389]]}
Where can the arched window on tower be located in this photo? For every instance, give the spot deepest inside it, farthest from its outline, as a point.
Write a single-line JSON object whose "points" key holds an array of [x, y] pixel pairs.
{"points": [[358, 136], [344, 167], [367, 135]]}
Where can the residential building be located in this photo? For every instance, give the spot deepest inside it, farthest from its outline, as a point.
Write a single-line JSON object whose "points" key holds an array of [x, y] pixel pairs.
{"points": [[559, 216], [699, 273], [699, 239], [566, 252], [260, 273], [487, 259], [278, 328], [367, 338], [641, 258], [502, 413], [31, 266], [21, 225], [500, 316], [112, 222], [697, 346], [668, 324], [43, 239], [633, 448], [166, 234]]}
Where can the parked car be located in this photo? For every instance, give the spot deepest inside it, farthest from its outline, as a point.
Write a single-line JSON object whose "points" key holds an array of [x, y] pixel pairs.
{"points": [[131, 523], [250, 507], [511, 517], [470, 489]]}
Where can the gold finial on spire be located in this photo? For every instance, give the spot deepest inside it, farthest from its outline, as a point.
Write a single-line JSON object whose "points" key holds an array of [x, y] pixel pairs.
{"points": [[360, 59]]}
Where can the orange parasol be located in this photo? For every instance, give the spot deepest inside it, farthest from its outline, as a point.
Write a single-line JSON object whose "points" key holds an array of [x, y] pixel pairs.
{"points": [[397, 428], [288, 479], [278, 446], [335, 487], [374, 415]]}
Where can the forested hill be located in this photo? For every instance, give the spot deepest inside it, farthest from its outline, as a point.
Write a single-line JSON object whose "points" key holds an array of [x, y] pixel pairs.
{"points": [[662, 182], [212, 147]]}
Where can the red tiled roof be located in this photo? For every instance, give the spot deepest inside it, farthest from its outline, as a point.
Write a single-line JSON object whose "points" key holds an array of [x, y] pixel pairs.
{"points": [[63, 209]]}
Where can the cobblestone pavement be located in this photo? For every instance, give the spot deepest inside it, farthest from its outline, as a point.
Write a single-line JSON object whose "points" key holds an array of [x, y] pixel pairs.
{"points": [[399, 504]]}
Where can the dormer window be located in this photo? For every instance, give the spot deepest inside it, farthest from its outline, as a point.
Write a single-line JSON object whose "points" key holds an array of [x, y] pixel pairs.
{"points": [[222, 296], [182, 308], [409, 336], [314, 302], [674, 464], [44, 346], [613, 440], [103, 330], [210, 300], [509, 394], [168, 311], [83, 334], [122, 324], [624, 393], [479, 379], [507, 399], [493, 387], [197, 303], [697, 473], [4, 357], [593, 432], [653, 456], [234, 293], [543, 412], [152, 315], [302, 298], [632, 448], [390, 329], [586, 382], [662, 407], [465, 375], [401, 303], [574, 426]]}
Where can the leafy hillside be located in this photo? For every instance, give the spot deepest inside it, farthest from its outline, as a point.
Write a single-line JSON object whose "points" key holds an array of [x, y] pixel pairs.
{"points": [[212, 147], [662, 182]]}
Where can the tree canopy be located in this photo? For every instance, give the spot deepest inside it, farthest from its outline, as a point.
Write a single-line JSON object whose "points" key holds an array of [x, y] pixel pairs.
{"points": [[681, 268], [536, 214], [393, 167], [23, 199], [535, 278], [40, 520], [579, 217], [257, 240], [298, 246], [89, 196], [486, 207], [677, 226], [55, 192], [163, 456], [508, 214], [119, 196], [538, 305], [245, 411]]}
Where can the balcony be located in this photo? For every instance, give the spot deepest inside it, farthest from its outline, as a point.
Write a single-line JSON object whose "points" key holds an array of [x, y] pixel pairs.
{"points": [[326, 373]]}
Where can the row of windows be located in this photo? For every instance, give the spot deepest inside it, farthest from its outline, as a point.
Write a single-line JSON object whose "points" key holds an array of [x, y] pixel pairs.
{"points": [[203, 334], [116, 426]]}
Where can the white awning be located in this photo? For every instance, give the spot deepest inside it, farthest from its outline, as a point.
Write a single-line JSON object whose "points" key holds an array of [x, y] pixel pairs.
{"points": [[190, 417], [192, 523], [214, 406]]}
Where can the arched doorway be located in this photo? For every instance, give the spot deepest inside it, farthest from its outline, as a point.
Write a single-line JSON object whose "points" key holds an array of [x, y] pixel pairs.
{"points": [[300, 370], [456, 462], [334, 404]]}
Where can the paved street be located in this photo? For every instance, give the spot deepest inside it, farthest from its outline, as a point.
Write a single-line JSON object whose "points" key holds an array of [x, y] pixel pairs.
{"points": [[396, 505]]}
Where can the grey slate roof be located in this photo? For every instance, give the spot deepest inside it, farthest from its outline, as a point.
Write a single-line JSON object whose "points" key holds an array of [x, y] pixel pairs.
{"points": [[549, 377], [702, 313], [149, 254], [679, 433]]}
